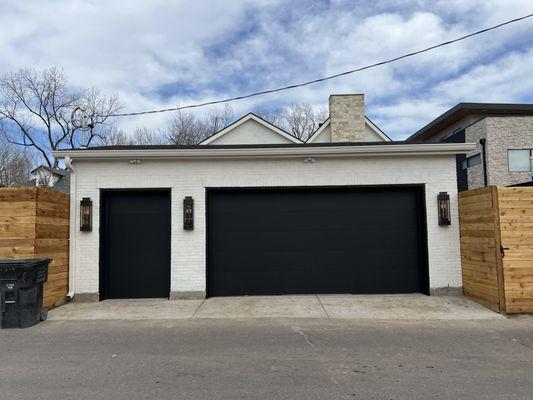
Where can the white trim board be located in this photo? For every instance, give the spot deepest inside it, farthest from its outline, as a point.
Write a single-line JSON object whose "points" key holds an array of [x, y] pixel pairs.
{"points": [[272, 152]]}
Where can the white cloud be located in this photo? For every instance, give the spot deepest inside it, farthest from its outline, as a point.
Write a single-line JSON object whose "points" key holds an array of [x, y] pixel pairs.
{"points": [[505, 80], [214, 49]]}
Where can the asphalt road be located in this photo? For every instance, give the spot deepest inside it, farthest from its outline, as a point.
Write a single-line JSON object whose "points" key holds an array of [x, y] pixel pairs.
{"points": [[268, 359]]}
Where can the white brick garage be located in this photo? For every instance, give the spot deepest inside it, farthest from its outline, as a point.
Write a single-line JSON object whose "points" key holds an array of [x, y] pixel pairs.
{"points": [[189, 171]]}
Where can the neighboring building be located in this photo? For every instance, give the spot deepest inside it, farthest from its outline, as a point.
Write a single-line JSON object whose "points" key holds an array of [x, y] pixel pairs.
{"points": [[503, 134], [53, 178], [255, 211]]}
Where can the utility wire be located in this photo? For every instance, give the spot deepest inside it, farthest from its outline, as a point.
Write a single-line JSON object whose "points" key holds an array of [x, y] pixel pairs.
{"points": [[247, 96]]}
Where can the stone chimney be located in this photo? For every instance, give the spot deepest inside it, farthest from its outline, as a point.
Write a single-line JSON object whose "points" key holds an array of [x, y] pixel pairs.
{"points": [[347, 114]]}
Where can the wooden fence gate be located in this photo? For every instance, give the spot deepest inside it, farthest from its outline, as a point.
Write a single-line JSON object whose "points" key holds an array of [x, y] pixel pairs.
{"points": [[496, 225]]}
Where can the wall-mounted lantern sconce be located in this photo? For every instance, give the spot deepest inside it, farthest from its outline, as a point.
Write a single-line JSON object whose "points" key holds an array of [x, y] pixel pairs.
{"points": [[86, 215], [443, 201], [188, 213]]}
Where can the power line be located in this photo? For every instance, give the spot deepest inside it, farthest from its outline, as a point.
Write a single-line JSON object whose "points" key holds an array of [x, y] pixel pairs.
{"points": [[246, 96]]}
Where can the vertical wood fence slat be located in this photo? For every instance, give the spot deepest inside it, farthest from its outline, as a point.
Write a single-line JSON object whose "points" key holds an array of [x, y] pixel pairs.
{"points": [[496, 225], [516, 215], [34, 223], [479, 247]]}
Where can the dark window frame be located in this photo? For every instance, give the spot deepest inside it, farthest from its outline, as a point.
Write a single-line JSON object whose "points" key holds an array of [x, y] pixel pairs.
{"points": [[466, 162]]}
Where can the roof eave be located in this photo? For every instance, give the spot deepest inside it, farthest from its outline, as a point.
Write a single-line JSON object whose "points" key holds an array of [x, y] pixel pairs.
{"points": [[277, 152], [462, 110]]}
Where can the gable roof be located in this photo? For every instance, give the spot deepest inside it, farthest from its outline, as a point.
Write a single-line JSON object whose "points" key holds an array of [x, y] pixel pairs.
{"points": [[246, 118], [368, 122], [377, 130], [317, 133], [462, 110]]}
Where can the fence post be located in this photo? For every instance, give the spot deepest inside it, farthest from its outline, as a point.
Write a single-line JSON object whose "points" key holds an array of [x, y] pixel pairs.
{"points": [[498, 242]]}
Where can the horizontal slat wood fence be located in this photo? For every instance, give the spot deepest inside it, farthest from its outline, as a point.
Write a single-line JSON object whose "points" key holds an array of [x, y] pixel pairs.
{"points": [[34, 223], [496, 225]]}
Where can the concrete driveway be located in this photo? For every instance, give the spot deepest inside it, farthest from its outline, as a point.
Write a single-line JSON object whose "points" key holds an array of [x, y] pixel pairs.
{"points": [[382, 307]]}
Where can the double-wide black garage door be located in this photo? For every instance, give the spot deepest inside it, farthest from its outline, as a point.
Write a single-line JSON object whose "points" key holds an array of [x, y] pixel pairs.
{"points": [[316, 240]]}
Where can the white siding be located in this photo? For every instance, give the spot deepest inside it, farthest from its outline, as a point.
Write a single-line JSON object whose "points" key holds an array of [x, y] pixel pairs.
{"points": [[251, 132], [324, 136], [190, 178], [371, 135]]}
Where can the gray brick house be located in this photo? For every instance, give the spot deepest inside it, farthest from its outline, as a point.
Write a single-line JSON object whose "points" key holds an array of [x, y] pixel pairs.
{"points": [[503, 134]]}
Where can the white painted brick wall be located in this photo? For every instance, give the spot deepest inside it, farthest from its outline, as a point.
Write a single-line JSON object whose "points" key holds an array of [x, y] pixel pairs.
{"points": [[190, 178]]}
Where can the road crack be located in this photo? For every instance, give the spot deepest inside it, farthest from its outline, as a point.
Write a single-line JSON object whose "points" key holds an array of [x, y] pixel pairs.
{"points": [[301, 332]]}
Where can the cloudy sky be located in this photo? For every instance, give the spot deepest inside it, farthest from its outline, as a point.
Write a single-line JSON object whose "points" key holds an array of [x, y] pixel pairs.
{"points": [[163, 53]]}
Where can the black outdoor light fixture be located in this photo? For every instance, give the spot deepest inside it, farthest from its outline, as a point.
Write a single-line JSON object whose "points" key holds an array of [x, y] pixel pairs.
{"points": [[188, 213], [86, 215], [443, 201]]}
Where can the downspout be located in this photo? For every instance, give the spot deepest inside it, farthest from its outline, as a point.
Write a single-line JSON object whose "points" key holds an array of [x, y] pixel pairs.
{"points": [[72, 230], [483, 142]]}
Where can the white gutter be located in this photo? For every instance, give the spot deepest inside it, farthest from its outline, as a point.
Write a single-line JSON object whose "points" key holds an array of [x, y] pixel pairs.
{"points": [[272, 152], [72, 230]]}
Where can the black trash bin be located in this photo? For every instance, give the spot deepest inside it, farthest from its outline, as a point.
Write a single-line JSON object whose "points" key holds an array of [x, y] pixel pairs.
{"points": [[21, 292]]}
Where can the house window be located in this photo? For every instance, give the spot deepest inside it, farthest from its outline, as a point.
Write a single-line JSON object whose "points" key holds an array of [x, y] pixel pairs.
{"points": [[472, 161], [520, 160]]}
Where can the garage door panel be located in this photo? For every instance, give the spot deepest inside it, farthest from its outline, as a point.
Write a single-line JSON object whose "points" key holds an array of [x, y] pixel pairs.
{"points": [[261, 221], [342, 240], [316, 198], [248, 261], [307, 241], [135, 234]]}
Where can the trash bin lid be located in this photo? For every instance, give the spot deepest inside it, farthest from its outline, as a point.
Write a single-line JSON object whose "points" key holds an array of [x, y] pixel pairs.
{"points": [[24, 263]]}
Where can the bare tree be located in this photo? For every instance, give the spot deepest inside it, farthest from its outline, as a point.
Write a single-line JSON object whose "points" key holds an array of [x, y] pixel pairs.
{"points": [[187, 129], [140, 136], [272, 115], [15, 164], [97, 110], [36, 109], [300, 120], [145, 136], [115, 137], [215, 121], [184, 129]]}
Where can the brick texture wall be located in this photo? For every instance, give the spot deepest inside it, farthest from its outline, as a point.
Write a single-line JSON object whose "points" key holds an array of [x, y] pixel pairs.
{"points": [[504, 133], [501, 134], [347, 113], [190, 178]]}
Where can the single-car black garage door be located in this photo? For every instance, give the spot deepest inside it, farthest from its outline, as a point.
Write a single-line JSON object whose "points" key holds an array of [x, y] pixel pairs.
{"points": [[135, 244], [316, 240]]}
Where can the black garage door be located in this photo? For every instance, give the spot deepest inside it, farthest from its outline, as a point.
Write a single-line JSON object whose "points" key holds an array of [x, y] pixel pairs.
{"points": [[135, 244], [316, 240]]}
